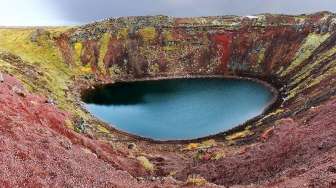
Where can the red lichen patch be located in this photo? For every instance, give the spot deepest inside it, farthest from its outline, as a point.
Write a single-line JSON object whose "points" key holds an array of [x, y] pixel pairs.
{"points": [[300, 153], [65, 48], [90, 54], [38, 151], [285, 42], [114, 55], [222, 45]]}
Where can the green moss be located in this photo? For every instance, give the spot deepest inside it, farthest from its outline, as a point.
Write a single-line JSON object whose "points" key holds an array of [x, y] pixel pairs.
{"points": [[44, 56], [148, 34], [122, 33], [78, 46], [312, 42], [261, 55], [311, 80], [102, 129], [239, 135], [328, 73], [306, 70]]}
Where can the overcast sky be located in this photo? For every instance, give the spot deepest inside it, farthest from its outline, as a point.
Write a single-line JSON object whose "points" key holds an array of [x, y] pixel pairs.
{"points": [[64, 12]]}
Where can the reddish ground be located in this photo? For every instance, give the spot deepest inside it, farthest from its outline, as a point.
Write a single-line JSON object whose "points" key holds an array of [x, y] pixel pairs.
{"points": [[38, 151], [298, 152]]}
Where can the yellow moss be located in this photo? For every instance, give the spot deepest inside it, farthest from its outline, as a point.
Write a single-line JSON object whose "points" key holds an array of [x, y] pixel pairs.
{"points": [[209, 143], [274, 113], [196, 181], [69, 124], [205, 144], [239, 135], [329, 72], [78, 46], [261, 56], [312, 41], [46, 56], [148, 34], [218, 155], [102, 129], [122, 33], [170, 48], [86, 69], [146, 164], [154, 68], [192, 146], [311, 80], [306, 72]]}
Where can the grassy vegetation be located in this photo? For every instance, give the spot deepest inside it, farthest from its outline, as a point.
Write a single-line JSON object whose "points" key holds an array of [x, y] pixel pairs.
{"points": [[41, 55], [312, 42], [146, 164], [148, 34]]}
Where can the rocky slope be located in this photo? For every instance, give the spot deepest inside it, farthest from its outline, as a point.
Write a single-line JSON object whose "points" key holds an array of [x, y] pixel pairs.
{"points": [[290, 145]]}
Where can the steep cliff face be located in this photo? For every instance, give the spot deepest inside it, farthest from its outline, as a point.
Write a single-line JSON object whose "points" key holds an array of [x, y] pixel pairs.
{"points": [[225, 45]]}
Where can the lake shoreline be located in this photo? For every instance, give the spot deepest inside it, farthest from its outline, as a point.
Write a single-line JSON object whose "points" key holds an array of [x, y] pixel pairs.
{"points": [[272, 104]]}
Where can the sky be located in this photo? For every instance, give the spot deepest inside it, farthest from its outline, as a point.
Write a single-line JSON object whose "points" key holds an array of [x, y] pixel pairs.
{"points": [[74, 12]]}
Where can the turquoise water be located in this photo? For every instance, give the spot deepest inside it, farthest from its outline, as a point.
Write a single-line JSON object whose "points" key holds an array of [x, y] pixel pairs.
{"points": [[178, 109]]}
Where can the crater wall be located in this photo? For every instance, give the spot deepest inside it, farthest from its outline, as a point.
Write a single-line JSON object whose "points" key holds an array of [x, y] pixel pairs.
{"points": [[294, 53]]}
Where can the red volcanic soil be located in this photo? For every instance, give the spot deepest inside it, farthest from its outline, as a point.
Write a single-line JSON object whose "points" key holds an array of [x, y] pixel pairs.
{"points": [[298, 152], [37, 150]]}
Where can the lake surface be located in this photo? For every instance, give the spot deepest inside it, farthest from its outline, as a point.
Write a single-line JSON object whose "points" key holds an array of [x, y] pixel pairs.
{"points": [[178, 109]]}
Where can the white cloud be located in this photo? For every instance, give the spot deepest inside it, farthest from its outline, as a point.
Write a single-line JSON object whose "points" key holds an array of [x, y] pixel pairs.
{"points": [[27, 13]]}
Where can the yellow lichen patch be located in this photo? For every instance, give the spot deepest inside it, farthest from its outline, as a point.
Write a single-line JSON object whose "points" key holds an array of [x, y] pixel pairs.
{"points": [[170, 48], [306, 73], [102, 129], [274, 113], [239, 135], [148, 34], [86, 69], [146, 164], [261, 56], [311, 80], [329, 72], [312, 41], [218, 156], [202, 145], [69, 124], [122, 33], [195, 180], [78, 46], [209, 143], [154, 68], [192, 146]]}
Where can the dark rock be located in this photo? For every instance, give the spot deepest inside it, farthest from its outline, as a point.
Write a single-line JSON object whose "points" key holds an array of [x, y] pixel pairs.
{"points": [[19, 91], [80, 125], [1, 78], [50, 101], [131, 146], [332, 169]]}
